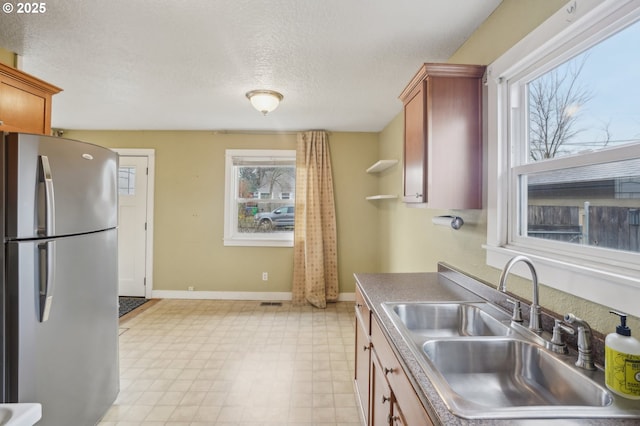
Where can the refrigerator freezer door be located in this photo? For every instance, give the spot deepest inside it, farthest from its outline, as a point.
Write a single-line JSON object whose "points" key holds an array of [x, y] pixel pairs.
{"points": [[81, 175], [68, 363]]}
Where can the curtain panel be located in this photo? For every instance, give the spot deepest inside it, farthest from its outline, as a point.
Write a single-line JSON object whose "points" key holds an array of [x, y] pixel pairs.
{"points": [[315, 266]]}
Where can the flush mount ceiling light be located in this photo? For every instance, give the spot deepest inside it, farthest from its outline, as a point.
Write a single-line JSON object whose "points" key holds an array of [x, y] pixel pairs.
{"points": [[264, 101]]}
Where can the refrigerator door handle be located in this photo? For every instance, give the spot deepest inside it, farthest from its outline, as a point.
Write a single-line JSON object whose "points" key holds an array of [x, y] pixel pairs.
{"points": [[46, 208], [46, 277]]}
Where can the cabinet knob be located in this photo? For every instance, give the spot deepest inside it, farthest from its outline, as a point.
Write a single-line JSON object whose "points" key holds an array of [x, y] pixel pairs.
{"points": [[358, 305], [418, 195], [385, 399], [365, 348], [393, 419], [388, 370]]}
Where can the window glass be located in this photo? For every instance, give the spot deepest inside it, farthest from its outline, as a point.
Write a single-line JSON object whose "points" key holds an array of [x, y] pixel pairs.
{"points": [[127, 180], [260, 197], [595, 205], [589, 102]]}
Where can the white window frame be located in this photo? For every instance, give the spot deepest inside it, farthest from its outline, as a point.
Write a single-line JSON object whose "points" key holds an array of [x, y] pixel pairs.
{"points": [[231, 236], [610, 281]]}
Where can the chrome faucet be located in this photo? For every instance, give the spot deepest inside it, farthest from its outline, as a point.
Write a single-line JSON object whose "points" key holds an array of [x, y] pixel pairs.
{"points": [[585, 354], [534, 310]]}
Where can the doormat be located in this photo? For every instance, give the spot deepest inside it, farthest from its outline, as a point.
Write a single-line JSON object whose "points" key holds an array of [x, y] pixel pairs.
{"points": [[128, 304]]}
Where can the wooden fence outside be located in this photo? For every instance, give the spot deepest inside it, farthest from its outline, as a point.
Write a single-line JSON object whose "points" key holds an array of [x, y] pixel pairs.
{"points": [[608, 227]]}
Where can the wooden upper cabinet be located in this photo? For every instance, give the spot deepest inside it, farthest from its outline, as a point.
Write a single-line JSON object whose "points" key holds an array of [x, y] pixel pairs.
{"points": [[443, 136], [25, 102]]}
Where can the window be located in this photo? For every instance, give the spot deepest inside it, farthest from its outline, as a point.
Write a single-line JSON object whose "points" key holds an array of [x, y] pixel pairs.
{"points": [[564, 131], [260, 197], [126, 180], [566, 187]]}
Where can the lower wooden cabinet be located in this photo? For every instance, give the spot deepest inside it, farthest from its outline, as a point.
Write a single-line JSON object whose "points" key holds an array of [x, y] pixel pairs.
{"points": [[386, 395]]}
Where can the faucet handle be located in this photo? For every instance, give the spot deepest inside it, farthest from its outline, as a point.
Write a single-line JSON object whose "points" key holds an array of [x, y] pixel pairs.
{"points": [[557, 345], [585, 354], [517, 310]]}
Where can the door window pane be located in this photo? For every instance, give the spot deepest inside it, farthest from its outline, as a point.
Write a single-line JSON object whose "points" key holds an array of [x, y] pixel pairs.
{"points": [[127, 180]]}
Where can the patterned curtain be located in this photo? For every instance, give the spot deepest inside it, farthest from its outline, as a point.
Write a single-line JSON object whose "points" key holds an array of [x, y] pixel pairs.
{"points": [[315, 263]]}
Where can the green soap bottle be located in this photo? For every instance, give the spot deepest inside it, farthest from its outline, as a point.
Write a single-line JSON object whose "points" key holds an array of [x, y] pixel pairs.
{"points": [[622, 361]]}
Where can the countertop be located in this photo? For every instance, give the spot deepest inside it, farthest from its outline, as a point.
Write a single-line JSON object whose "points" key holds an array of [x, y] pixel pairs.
{"points": [[445, 285]]}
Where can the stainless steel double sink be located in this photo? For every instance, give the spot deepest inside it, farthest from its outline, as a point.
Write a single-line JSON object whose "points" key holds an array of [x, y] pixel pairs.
{"points": [[484, 366]]}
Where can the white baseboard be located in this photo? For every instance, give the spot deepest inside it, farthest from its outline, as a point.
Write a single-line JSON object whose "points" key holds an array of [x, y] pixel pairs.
{"points": [[234, 295]]}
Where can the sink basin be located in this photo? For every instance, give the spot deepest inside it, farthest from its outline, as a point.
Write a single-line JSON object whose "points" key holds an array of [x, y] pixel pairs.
{"points": [[20, 414], [437, 320], [503, 377]]}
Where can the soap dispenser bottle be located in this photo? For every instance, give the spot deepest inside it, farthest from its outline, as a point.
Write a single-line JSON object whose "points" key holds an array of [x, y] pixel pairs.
{"points": [[622, 361]]}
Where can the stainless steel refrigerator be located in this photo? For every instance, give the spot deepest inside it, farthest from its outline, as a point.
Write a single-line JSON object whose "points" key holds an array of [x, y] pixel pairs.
{"points": [[59, 293]]}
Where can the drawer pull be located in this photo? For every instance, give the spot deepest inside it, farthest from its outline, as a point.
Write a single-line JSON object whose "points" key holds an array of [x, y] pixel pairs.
{"points": [[385, 399], [365, 348], [388, 370]]}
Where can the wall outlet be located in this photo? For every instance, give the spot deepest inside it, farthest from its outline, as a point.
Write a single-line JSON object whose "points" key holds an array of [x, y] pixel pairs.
{"points": [[191, 288], [265, 276]]}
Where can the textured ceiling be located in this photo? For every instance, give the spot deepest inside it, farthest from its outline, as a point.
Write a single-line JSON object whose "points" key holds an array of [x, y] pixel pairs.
{"points": [[186, 65]]}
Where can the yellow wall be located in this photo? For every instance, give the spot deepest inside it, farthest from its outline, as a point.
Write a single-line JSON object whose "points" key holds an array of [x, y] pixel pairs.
{"points": [[374, 236], [409, 241], [189, 215], [7, 57]]}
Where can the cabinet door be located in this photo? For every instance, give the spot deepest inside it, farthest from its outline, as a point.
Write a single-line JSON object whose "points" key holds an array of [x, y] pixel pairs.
{"points": [[397, 418], [21, 110], [381, 398], [363, 359], [414, 146], [25, 102], [363, 354], [413, 412]]}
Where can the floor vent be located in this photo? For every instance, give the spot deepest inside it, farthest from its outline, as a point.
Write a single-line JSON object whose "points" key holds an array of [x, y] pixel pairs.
{"points": [[270, 303]]}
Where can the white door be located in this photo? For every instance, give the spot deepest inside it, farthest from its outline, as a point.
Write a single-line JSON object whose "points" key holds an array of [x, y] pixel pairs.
{"points": [[132, 225]]}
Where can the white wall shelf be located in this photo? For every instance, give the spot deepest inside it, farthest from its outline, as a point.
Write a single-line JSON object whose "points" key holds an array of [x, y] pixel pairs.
{"points": [[377, 168], [381, 165]]}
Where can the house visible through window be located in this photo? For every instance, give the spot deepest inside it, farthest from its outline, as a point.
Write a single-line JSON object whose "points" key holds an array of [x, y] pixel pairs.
{"points": [[260, 197]]}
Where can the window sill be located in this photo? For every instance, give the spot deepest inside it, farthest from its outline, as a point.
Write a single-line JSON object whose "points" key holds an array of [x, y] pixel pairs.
{"points": [[249, 242], [614, 287]]}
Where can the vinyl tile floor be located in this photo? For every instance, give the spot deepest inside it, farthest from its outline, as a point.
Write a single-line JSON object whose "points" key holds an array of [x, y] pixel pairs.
{"points": [[209, 362]]}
